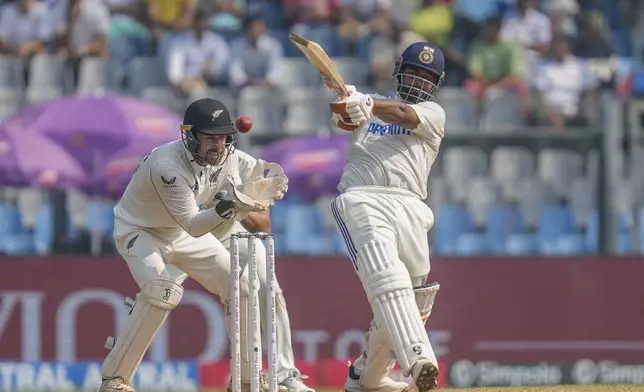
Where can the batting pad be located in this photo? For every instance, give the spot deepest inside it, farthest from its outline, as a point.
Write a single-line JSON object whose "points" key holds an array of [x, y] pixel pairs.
{"points": [[155, 301], [379, 357], [388, 287], [425, 296]]}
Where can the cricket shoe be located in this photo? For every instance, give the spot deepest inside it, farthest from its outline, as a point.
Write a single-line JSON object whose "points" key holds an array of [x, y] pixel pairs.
{"points": [[263, 385], [387, 384], [425, 375], [294, 382], [114, 385]]}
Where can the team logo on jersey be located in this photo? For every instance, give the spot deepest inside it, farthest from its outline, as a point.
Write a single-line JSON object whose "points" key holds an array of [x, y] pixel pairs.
{"points": [[195, 188], [387, 129], [426, 56], [169, 182]]}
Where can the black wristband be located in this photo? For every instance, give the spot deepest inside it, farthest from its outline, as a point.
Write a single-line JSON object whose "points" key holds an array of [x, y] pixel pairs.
{"points": [[226, 209]]}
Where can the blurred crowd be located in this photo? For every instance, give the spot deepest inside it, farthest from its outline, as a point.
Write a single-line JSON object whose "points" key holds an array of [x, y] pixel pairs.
{"points": [[553, 53], [510, 64]]}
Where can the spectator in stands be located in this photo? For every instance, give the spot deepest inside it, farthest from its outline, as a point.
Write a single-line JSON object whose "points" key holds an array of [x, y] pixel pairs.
{"points": [[562, 14], [129, 35], [197, 58], [469, 17], [385, 49], [314, 19], [26, 27], [593, 40], [360, 20], [561, 84], [255, 57], [529, 27], [434, 21], [227, 15], [494, 63], [169, 18], [82, 32]]}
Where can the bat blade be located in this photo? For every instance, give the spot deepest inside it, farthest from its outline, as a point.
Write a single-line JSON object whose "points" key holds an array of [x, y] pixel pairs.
{"points": [[321, 61]]}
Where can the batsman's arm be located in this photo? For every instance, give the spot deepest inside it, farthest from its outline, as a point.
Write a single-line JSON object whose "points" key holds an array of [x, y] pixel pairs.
{"points": [[395, 112], [426, 119], [257, 222], [179, 201]]}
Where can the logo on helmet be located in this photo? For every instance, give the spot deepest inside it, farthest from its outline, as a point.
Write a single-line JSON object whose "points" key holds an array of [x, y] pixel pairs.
{"points": [[426, 56]]}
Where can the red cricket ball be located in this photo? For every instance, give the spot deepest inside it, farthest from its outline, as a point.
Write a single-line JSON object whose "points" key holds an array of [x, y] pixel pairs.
{"points": [[244, 124]]}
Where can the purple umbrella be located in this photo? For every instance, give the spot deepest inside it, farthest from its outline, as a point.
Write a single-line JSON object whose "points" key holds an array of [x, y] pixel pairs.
{"points": [[313, 164], [31, 159], [95, 129]]}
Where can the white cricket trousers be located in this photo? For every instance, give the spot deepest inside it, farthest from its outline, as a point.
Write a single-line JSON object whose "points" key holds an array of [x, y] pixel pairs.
{"points": [[207, 260], [393, 215], [150, 256], [385, 231]]}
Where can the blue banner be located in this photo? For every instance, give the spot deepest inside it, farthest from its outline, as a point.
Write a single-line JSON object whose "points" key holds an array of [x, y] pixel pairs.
{"points": [[151, 376]]}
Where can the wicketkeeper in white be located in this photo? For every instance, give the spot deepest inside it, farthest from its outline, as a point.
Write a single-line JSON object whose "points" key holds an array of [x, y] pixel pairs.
{"points": [[384, 221], [250, 170], [179, 193]]}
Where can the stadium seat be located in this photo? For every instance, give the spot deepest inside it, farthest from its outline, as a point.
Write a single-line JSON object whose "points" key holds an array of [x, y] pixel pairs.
{"points": [[11, 72], [453, 221], [10, 223], [44, 230], [96, 76], [508, 165], [305, 111], [460, 110], [100, 223], [303, 234], [582, 199], [531, 194], [461, 164], [163, 96], [353, 70], [144, 72], [438, 193], [482, 193], [11, 85], [554, 221], [502, 111], [568, 245], [502, 221], [521, 245], [48, 78], [591, 234], [297, 72], [264, 106], [559, 168], [19, 244], [29, 201], [471, 244]]}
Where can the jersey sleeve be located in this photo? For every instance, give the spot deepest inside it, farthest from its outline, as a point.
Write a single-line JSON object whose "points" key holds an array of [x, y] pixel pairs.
{"points": [[432, 122], [245, 165], [179, 201]]}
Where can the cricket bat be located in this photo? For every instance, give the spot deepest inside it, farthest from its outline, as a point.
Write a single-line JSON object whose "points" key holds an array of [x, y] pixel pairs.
{"points": [[323, 63]]}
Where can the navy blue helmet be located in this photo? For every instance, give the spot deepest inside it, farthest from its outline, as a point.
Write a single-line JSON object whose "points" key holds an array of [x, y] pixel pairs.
{"points": [[419, 72]]}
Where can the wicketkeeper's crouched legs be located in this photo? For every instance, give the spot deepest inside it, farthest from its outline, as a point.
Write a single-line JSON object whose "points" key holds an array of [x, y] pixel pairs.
{"points": [[153, 304]]}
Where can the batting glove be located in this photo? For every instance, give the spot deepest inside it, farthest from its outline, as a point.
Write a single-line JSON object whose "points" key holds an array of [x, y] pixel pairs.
{"points": [[357, 108]]}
